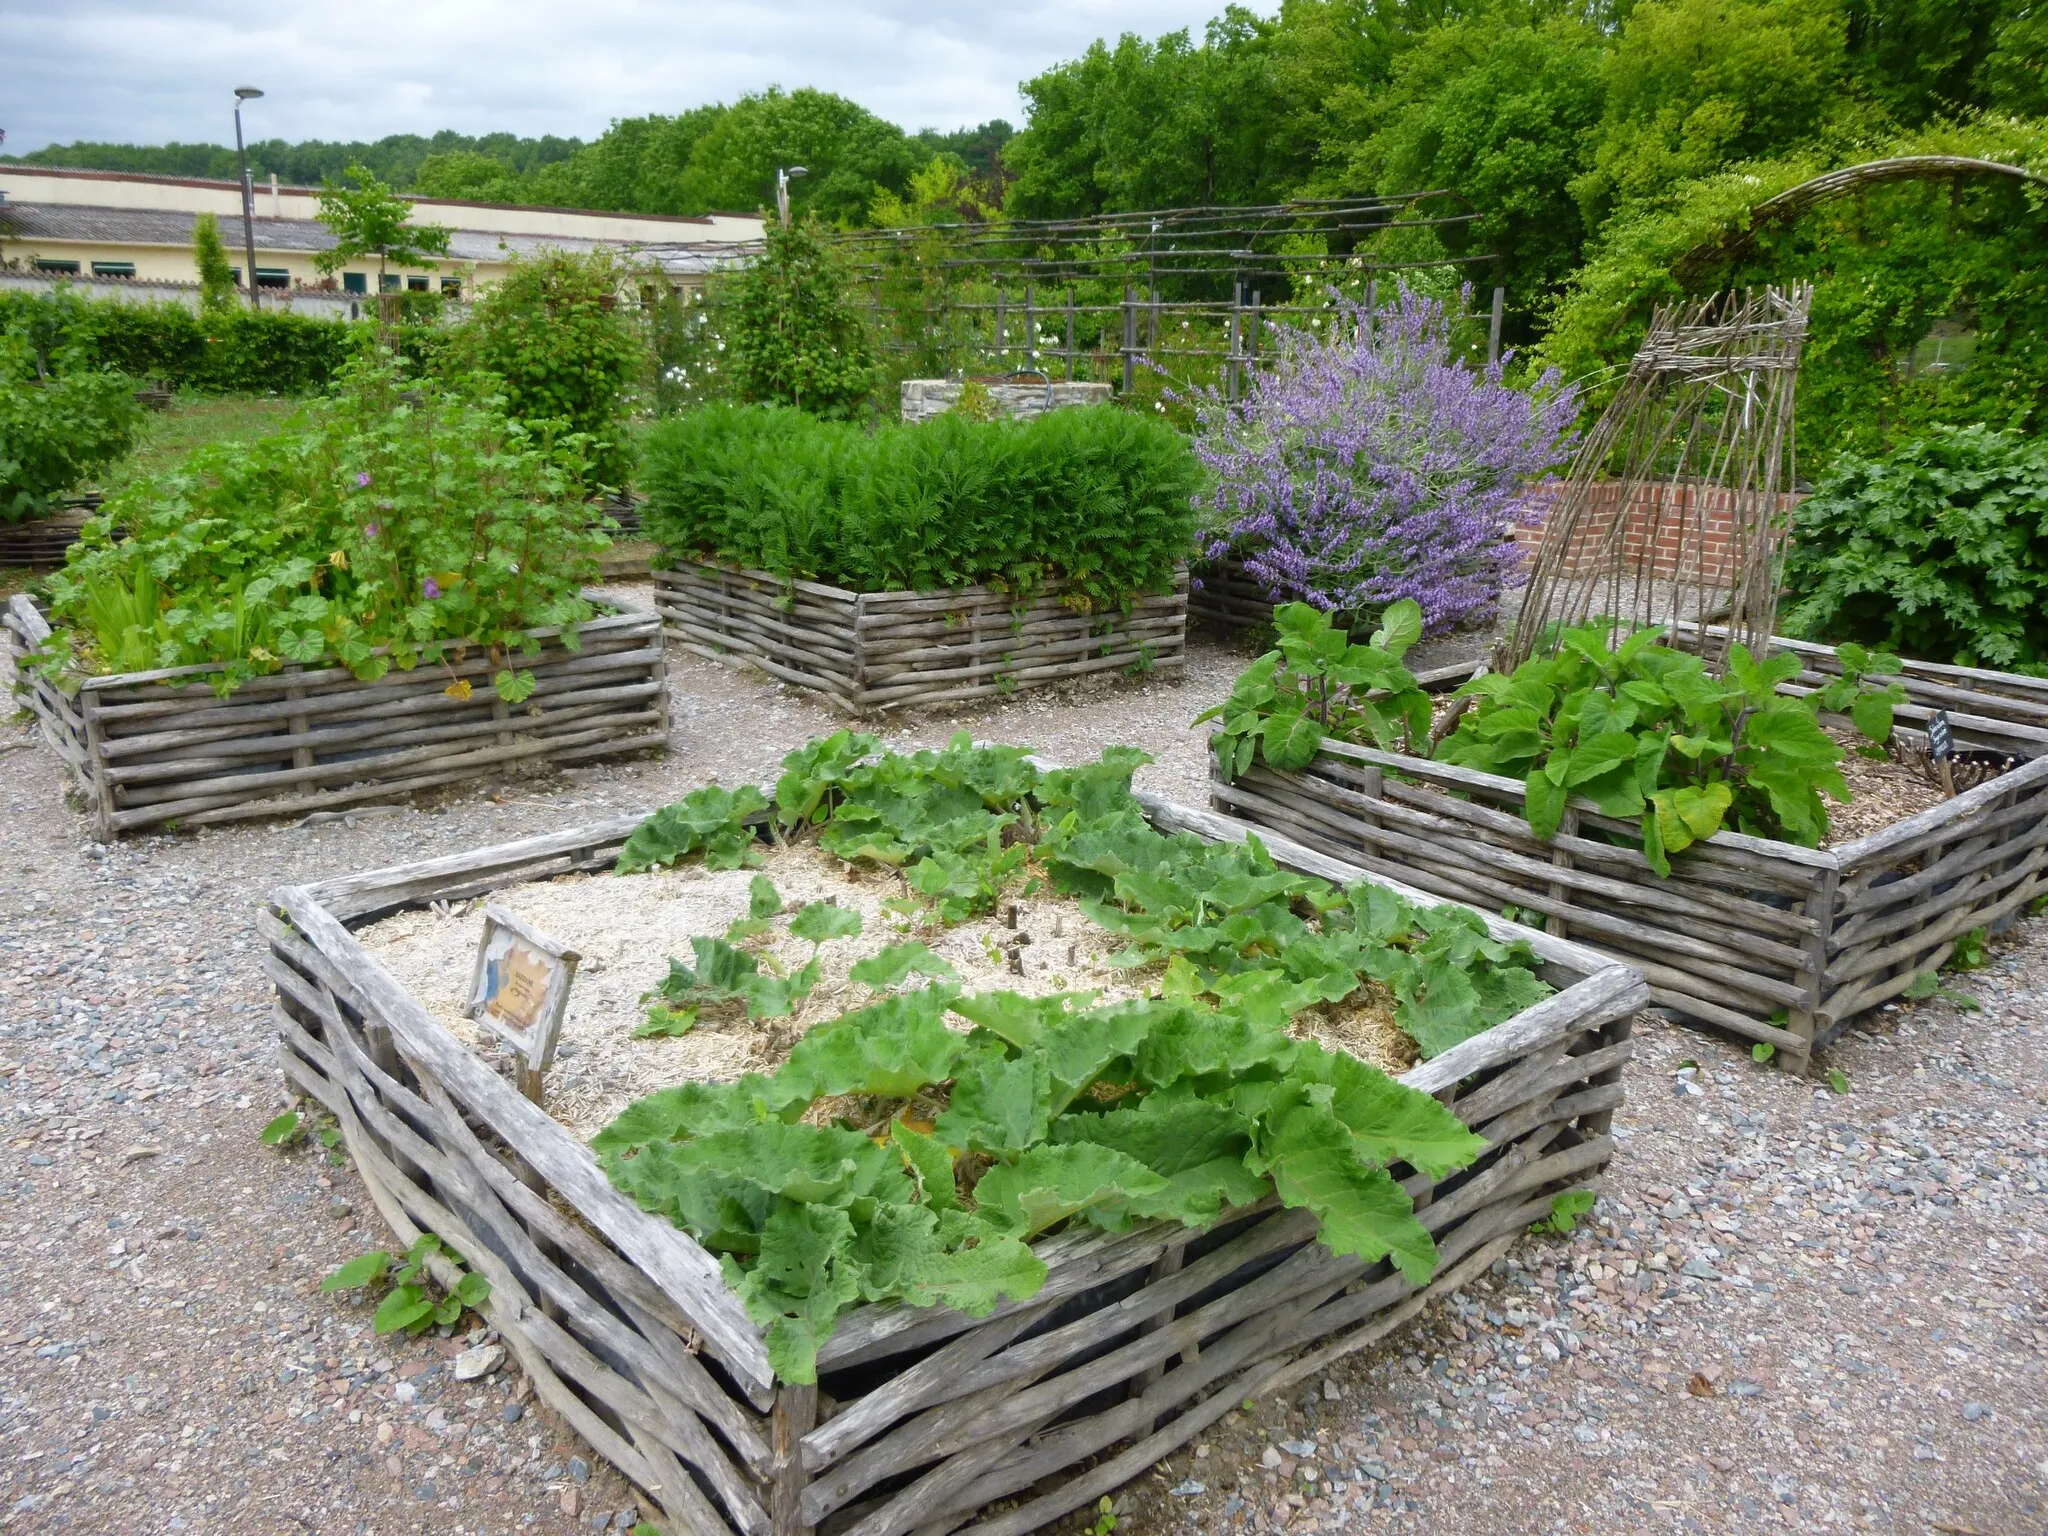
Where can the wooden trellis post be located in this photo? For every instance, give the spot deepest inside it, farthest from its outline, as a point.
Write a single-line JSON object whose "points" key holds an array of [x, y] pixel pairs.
{"points": [[1070, 335], [1130, 336]]}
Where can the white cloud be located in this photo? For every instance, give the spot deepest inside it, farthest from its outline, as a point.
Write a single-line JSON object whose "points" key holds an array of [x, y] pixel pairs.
{"points": [[134, 73]]}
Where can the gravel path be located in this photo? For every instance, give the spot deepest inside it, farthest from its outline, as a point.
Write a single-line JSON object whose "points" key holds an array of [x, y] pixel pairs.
{"points": [[1855, 1281]]}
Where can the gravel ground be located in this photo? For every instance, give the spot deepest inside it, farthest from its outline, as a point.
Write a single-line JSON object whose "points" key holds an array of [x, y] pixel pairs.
{"points": [[1809, 1309]]}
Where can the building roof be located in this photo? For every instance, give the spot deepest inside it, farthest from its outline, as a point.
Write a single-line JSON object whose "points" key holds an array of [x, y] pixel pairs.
{"points": [[18, 168], [150, 226]]}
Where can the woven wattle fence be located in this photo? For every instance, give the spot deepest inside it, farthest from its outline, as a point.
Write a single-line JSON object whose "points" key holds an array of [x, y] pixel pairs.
{"points": [[148, 749], [871, 651]]}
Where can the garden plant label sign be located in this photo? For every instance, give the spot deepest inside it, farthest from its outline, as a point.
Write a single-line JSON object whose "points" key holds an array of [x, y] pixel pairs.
{"points": [[1941, 747], [520, 991], [1941, 741]]}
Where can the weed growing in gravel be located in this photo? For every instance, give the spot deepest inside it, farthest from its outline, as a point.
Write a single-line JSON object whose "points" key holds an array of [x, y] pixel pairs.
{"points": [[409, 1305]]}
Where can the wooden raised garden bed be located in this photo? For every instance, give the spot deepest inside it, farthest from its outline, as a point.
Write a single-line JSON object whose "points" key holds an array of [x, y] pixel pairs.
{"points": [[146, 748], [869, 651], [47, 540], [1229, 597], [1745, 928], [921, 1417]]}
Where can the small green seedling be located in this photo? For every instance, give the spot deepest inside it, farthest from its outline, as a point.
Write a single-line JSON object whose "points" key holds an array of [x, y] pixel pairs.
{"points": [[410, 1305], [764, 905], [1565, 1211], [1762, 1052], [1927, 984], [1105, 1517], [285, 1130], [1838, 1080], [1971, 950], [666, 1023]]}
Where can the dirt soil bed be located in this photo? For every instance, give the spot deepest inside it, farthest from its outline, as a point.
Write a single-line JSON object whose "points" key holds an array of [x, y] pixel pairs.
{"points": [[626, 927]]}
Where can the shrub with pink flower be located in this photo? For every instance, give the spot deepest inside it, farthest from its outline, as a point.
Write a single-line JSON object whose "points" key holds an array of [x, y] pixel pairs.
{"points": [[1369, 464]]}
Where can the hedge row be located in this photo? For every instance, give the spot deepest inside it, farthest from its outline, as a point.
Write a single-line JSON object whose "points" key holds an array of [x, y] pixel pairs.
{"points": [[1100, 498], [235, 352]]}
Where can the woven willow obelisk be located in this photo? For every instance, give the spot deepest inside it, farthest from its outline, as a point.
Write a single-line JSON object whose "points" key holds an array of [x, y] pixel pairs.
{"points": [[1676, 508]]}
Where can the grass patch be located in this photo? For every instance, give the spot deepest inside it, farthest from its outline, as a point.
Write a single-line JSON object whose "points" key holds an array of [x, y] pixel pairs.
{"points": [[193, 421]]}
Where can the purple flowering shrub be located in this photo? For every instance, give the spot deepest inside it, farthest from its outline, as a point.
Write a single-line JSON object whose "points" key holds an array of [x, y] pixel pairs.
{"points": [[1368, 464]]}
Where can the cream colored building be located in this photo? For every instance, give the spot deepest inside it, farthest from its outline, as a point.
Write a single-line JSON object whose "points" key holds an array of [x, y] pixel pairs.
{"points": [[116, 226]]}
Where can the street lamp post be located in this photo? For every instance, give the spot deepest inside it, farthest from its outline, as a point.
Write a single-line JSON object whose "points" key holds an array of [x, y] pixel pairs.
{"points": [[246, 93], [782, 180]]}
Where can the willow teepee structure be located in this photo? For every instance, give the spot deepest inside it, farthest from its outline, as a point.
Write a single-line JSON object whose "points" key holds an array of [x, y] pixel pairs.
{"points": [[1677, 504]]}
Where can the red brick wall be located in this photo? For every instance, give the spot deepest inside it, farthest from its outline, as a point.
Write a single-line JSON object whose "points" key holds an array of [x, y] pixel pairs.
{"points": [[1642, 524]]}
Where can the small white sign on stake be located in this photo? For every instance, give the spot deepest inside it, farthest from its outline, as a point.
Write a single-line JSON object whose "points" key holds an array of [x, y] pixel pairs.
{"points": [[521, 990]]}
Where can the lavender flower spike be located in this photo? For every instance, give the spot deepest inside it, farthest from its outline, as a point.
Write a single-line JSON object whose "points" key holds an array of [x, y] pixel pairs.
{"points": [[1367, 464]]}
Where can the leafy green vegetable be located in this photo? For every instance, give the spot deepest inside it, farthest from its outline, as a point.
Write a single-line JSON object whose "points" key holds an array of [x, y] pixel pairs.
{"points": [[724, 974], [1317, 683], [822, 921], [664, 1022], [949, 1150], [1646, 734], [764, 905], [892, 964], [711, 821]]}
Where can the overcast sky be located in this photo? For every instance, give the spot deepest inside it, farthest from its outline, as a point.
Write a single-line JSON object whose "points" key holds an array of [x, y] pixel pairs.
{"points": [[150, 73]]}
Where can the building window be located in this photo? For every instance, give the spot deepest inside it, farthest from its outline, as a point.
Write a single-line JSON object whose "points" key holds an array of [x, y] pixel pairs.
{"points": [[113, 269], [48, 264], [387, 282], [416, 285], [355, 282], [451, 287], [273, 277]]}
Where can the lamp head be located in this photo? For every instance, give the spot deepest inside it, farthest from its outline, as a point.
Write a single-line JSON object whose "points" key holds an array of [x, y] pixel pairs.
{"points": [[795, 171], [246, 93]]}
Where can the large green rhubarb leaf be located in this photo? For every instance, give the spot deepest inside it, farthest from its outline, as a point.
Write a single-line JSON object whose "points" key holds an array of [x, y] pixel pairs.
{"points": [[927, 1258], [1049, 1184], [799, 1285], [1388, 1122], [1000, 1104], [1315, 1165], [891, 1049]]}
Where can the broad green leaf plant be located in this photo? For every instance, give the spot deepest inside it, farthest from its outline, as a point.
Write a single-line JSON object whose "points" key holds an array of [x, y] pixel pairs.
{"points": [[397, 523], [1317, 682], [1645, 733], [1637, 728], [409, 1303], [911, 1149]]}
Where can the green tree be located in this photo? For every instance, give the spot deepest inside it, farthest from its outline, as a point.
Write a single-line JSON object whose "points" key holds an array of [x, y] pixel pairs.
{"points": [[724, 159], [558, 336], [1497, 111], [795, 335], [470, 177], [216, 276], [369, 219], [1695, 85]]}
